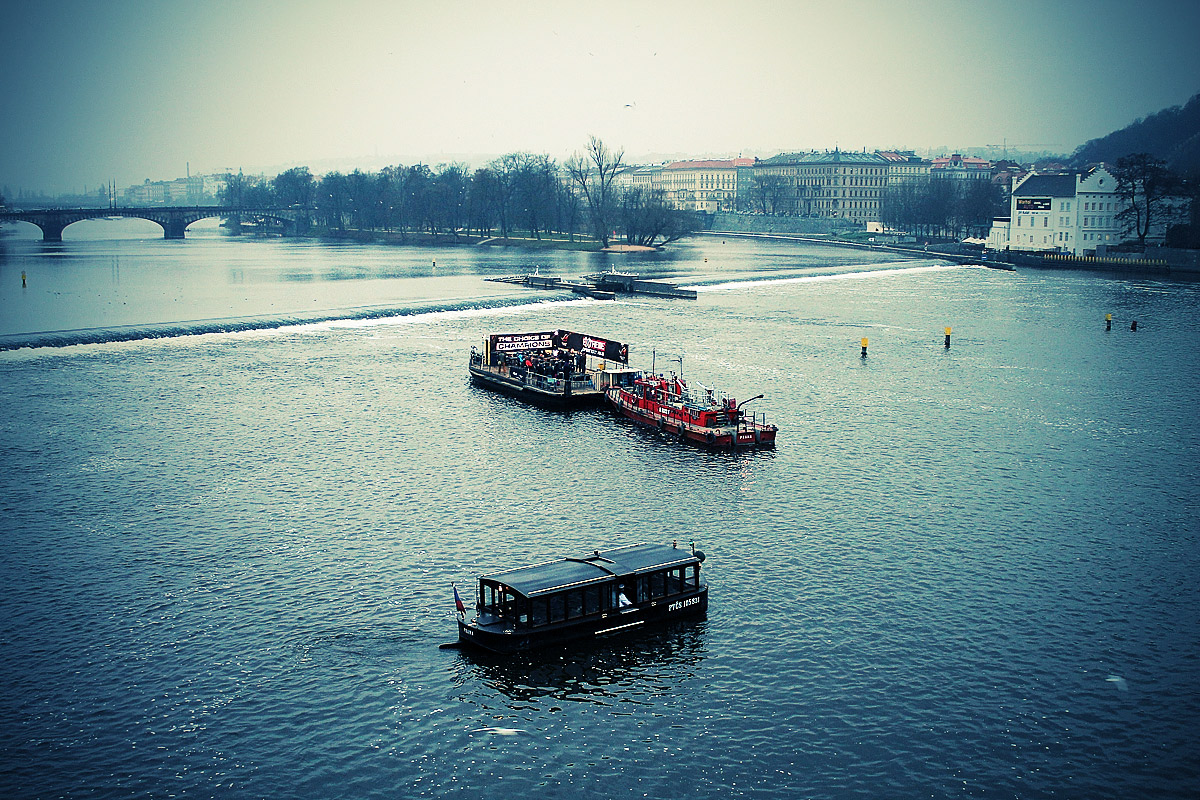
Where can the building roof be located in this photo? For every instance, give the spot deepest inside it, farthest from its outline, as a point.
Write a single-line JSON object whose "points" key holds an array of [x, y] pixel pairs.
{"points": [[828, 157], [1046, 186], [728, 164], [957, 161]]}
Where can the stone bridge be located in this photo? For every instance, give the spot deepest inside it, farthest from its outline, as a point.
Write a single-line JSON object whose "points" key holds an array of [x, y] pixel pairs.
{"points": [[174, 219]]}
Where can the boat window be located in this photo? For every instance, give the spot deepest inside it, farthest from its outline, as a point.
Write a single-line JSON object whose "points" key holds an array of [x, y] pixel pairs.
{"points": [[491, 598], [575, 604], [513, 607], [558, 608], [675, 581], [658, 584], [539, 611], [691, 576], [591, 600]]}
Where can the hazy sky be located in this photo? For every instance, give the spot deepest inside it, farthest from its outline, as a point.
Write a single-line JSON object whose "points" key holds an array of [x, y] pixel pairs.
{"points": [[128, 90]]}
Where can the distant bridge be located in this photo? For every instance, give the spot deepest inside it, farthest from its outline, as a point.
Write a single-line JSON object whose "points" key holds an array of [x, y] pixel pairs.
{"points": [[174, 219]]}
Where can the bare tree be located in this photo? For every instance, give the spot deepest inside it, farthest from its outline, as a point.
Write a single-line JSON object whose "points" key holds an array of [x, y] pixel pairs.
{"points": [[593, 172], [1148, 189]]}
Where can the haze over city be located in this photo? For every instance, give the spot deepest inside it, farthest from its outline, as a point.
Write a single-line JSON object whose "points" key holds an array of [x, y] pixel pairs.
{"points": [[128, 91]]}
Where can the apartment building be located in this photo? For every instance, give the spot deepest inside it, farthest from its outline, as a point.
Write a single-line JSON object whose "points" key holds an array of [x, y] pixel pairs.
{"points": [[833, 184], [710, 186]]}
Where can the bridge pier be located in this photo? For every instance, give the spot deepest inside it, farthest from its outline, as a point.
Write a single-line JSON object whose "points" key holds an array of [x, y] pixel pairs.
{"points": [[51, 231], [174, 228]]}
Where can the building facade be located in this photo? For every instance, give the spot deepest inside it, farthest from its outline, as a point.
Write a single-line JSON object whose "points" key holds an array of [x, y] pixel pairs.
{"points": [[834, 185], [961, 168], [710, 186], [1062, 213], [905, 167]]}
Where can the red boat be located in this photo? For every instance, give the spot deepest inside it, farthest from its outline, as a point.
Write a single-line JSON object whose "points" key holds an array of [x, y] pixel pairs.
{"points": [[694, 417]]}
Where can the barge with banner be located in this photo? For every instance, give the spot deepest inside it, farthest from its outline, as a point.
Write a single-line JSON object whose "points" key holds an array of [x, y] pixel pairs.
{"points": [[702, 417], [556, 369], [607, 592]]}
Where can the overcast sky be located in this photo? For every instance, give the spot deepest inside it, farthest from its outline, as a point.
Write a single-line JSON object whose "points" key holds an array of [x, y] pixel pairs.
{"points": [[133, 89]]}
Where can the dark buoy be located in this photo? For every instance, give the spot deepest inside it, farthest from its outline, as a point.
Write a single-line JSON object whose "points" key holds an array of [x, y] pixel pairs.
{"points": [[22, 279], [1133, 325], [947, 337], [1108, 322], [864, 347]]}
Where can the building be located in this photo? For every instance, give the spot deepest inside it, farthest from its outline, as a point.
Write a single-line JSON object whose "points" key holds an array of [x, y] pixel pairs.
{"points": [[959, 167], [710, 186], [644, 178], [834, 185], [905, 167], [1062, 213], [192, 190]]}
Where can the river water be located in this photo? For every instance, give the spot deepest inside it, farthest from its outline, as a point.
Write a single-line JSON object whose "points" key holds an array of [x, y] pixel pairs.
{"points": [[228, 556]]}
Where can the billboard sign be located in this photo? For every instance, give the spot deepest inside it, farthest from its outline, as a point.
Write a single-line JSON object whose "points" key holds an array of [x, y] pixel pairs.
{"points": [[1033, 204]]}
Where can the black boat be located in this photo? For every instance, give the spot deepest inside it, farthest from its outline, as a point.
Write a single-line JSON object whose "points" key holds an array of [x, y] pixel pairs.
{"points": [[555, 369], [604, 593]]}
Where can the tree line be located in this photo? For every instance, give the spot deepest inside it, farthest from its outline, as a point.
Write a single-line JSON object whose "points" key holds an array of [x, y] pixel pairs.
{"points": [[518, 192], [941, 207]]}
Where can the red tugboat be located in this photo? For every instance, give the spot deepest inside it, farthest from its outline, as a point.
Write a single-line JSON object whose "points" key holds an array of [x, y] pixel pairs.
{"points": [[704, 417]]}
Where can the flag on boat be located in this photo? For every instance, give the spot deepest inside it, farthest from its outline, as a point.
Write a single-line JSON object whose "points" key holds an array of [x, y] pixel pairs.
{"points": [[458, 603]]}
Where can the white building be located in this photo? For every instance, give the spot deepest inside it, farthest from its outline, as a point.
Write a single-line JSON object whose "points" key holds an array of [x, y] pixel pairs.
{"points": [[1061, 213], [710, 186]]}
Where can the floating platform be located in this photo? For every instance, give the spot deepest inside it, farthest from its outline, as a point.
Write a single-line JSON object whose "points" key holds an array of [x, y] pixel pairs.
{"points": [[602, 286]]}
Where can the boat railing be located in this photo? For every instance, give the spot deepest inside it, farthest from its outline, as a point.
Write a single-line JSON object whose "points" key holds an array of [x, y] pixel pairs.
{"points": [[545, 382]]}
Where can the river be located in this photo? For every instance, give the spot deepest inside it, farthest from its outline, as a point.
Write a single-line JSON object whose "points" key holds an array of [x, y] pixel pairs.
{"points": [[241, 475]]}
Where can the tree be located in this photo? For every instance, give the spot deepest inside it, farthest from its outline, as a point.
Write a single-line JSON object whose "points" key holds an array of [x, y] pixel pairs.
{"points": [[333, 200], [294, 189], [768, 193], [593, 172], [1147, 188], [646, 217]]}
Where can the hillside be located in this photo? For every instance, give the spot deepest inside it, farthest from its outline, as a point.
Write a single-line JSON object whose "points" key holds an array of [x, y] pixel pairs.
{"points": [[1172, 134]]}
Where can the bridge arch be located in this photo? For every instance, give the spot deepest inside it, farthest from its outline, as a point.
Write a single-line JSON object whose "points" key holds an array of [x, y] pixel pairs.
{"points": [[173, 219]]}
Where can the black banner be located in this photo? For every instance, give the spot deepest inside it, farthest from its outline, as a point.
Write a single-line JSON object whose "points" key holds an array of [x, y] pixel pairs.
{"points": [[593, 345], [567, 340], [522, 342]]}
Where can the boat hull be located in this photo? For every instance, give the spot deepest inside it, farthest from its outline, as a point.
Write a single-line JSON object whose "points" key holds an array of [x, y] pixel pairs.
{"points": [[500, 639], [555, 397], [728, 438]]}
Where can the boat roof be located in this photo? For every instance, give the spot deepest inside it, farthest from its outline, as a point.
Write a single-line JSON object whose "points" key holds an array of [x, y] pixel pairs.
{"points": [[553, 576]]}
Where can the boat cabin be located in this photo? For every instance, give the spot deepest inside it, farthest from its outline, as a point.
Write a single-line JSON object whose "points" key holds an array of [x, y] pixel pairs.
{"points": [[572, 598]]}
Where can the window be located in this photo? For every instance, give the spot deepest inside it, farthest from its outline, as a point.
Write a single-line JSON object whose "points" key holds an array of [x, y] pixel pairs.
{"points": [[539, 611], [591, 600]]}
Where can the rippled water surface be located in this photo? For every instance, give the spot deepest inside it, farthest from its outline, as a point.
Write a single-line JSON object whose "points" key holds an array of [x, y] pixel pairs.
{"points": [[228, 557]]}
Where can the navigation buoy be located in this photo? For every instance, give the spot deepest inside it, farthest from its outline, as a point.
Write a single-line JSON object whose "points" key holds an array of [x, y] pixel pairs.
{"points": [[947, 337], [864, 347], [1108, 322], [1133, 325], [22, 279]]}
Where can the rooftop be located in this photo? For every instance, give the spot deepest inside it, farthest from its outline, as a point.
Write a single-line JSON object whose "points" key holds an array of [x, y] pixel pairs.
{"points": [[550, 576], [828, 157], [728, 164], [1046, 186]]}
